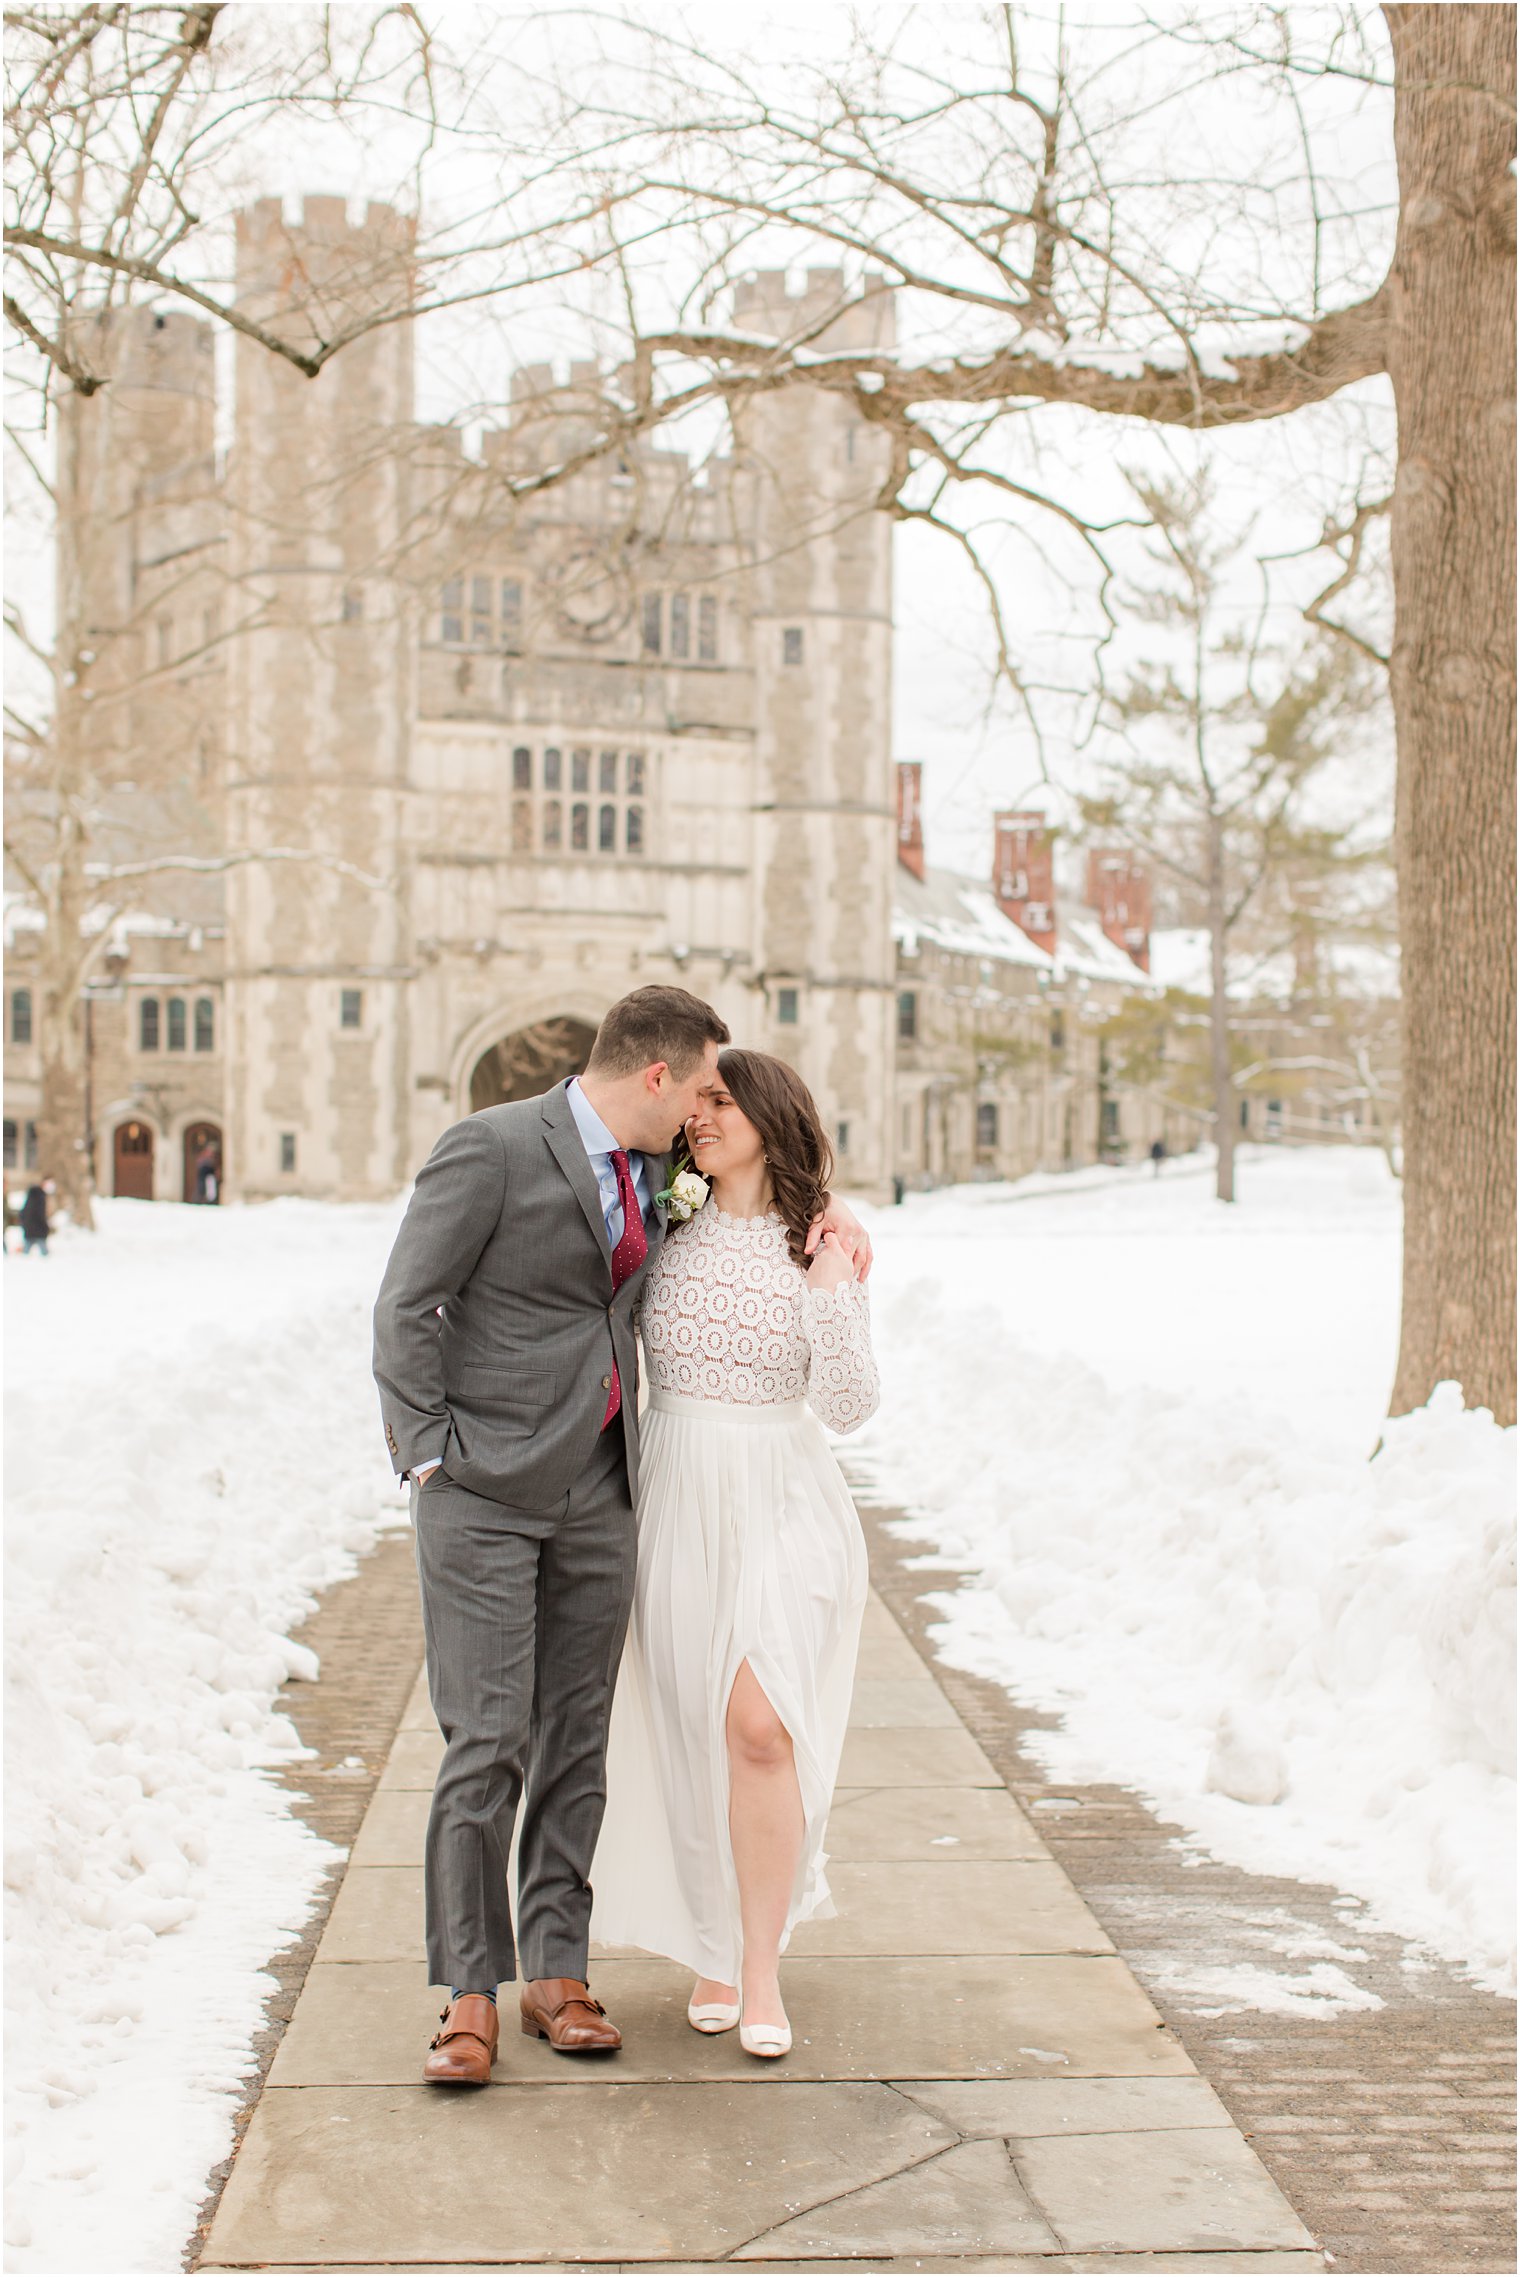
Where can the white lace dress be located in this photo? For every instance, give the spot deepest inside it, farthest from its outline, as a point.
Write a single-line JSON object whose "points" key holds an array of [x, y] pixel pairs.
{"points": [[749, 1549]]}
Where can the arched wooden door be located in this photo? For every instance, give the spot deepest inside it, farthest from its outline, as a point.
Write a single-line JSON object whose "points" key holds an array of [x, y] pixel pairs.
{"points": [[134, 1162], [530, 1061], [203, 1163]]}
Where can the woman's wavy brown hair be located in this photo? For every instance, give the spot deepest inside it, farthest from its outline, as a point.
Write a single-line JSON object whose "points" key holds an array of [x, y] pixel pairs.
{"points": [[799, 1156]]}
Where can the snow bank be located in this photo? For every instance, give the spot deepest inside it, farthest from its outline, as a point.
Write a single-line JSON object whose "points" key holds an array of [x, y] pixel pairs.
{"points": [[1304, 1657], [193, 1454]]}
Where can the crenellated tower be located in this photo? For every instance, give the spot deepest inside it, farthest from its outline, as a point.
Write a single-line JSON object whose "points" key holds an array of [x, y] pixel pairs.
{"points": [[821, 633], [321, 707]]}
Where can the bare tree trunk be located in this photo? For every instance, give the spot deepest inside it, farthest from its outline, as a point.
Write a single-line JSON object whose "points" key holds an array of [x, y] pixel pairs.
{"points": [[1451, 360], [1219, 1021]]}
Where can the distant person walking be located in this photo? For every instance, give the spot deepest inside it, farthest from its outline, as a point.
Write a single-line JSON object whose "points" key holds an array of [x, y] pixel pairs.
{"points": [[1158, 1156], [208, 1171], [34, 1217]]}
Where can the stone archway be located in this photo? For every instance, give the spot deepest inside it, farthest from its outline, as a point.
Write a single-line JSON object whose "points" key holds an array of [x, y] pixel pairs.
{"points": [[530, 1061]]}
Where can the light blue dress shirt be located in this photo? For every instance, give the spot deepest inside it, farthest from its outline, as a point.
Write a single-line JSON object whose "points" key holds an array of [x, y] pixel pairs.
{"points": [[600, 1144]]}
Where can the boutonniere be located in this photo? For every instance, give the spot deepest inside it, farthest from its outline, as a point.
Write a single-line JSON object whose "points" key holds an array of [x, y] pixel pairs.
{"points": [[686, 1193]]}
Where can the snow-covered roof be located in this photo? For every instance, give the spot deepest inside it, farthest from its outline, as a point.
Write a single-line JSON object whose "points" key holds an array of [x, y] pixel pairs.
{"points": [[1180, 959], [958, 914], [961, 915], [1083, 947]]}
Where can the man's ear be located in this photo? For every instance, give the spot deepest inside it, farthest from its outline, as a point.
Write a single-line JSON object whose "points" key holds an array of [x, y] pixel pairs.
{"points": [[654, 1076]]}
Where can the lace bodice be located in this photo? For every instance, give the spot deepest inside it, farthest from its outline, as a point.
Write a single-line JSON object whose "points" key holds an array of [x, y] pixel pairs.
{"points": [[727, 1316]]}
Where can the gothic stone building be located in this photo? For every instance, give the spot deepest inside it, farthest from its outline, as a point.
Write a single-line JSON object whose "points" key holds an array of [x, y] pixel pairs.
{"points": [[462, 767]]}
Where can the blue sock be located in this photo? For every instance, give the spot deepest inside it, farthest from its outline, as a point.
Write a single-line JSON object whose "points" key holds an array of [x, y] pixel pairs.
{"points": [[456, 1994]]}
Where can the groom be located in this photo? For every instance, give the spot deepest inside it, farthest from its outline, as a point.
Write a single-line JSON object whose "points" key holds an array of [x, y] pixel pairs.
{"points": [[505, 1356]]}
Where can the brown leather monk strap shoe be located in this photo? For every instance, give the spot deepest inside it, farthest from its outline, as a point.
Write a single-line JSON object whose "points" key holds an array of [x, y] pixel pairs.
{"points": [[562, 2011], [462, 2052]]}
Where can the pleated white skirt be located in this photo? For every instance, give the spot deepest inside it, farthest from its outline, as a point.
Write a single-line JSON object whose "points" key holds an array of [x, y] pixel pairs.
{"points": [[749, 1549]]}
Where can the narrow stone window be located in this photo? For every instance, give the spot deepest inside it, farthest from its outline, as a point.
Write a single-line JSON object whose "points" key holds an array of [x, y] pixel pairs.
{"points": [[580, 770], [580, 829], [652, 616], [635, 774], [635, 830], [287, 1152], [842, 1137], [707, 629], [522, 825], [10, 1157], [351, 1008], [791, 644], [606, 830], [552, 768], [480, 612], [29, 1147], [522, 768], [353, 606], [907, 1016], [786, 1007], [553, 824], [21, 1015], [987, 1124], [147, 1024], [680, 626], [511, 612], [176, 1023], [451, 622], [205, 1024], [606, 777]]}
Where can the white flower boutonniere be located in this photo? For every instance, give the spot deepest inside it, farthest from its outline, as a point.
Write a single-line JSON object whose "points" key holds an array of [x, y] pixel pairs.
{"points": [[685, 1194]]}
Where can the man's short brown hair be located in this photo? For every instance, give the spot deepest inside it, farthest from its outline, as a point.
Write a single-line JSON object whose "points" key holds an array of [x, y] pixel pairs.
{"points": [[653, 1024]]}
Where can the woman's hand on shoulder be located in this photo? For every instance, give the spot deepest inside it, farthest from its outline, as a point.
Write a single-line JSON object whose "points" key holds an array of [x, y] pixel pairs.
{"points": [[831, 1267]]}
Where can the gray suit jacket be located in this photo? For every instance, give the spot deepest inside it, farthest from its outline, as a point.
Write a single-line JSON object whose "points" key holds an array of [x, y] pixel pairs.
{"points": [[496, 1325]]}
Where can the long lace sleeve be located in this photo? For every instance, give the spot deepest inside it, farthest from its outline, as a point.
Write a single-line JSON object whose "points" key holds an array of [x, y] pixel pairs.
{"points": [[844, 1389]]}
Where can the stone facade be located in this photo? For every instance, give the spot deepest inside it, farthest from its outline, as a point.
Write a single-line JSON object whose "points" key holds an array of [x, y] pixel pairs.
{"points": [[475, 766]]}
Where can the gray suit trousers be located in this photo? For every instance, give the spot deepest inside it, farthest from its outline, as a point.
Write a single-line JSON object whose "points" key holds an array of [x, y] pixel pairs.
{"points": [[524, 1613]]}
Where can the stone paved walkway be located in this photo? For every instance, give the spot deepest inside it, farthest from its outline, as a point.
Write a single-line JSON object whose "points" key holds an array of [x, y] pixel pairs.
{"points": [[977, 2076]]}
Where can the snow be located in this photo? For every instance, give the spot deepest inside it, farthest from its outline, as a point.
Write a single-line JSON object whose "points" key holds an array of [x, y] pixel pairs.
{"points": [[194, 1453], [1140, 1421]]}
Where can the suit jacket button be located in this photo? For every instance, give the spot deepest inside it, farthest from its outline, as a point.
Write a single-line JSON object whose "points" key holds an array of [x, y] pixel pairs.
{"points": [[606, 1383]]}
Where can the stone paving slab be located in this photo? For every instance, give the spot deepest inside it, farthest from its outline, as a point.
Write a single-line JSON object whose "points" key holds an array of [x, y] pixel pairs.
{"points": [[968, 2200], [1028, 2107], [972, 1906], [1167, 2193], [1000, 2265], [508, 2174], [362, 2023], [872, 1823], [899, 1758], [896, 1705]]}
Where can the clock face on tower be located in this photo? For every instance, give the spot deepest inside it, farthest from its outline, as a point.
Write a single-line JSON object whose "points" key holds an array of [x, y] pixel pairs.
{"points": [[593, 594]]}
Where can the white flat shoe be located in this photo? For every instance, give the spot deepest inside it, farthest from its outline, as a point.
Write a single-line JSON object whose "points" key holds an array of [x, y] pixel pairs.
{"points": [[765, 2039], [712, 2015]]}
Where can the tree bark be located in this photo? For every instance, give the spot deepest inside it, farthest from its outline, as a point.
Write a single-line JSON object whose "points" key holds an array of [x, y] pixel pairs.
{"points": [[1219, 1019], [1451, 345]]}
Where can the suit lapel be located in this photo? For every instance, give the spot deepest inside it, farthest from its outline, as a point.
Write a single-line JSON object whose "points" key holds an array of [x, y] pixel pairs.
{"points": [[565, 1142]]}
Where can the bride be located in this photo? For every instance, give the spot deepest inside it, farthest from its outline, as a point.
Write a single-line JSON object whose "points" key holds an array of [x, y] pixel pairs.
{"points": [[734, 1690]]}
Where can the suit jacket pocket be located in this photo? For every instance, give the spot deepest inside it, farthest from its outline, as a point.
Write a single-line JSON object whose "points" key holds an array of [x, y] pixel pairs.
{"points": [[501, 1384]]}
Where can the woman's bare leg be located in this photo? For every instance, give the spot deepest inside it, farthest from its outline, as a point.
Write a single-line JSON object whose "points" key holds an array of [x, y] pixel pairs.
{"points": [[766, 1826]]}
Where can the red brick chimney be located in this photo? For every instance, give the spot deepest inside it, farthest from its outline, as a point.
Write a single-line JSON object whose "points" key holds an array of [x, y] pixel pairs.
{"points": [[1119, 889], [910, 815], [1024, 877]]}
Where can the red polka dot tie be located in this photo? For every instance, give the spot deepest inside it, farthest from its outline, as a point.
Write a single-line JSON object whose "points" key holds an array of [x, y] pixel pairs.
{"points": [[628, 1256]]}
